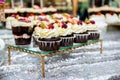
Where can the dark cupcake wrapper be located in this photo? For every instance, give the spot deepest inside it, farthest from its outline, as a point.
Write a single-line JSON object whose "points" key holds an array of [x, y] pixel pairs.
{"points": [[67, 41], [49, 45], [81, 38], [93, 35]]}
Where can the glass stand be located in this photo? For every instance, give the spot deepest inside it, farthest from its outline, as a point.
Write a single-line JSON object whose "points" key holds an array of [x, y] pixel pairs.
{"points": [[43, 54]]}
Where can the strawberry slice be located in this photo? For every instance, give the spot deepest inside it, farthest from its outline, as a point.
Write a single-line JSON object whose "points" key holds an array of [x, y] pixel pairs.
{"points": [[64, 25], [99, 13], [45, 19], [50, 26], [79, 22]]}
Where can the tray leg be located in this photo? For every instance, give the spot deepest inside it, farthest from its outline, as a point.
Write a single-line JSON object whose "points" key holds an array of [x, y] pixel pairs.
{"points": [[9, 56], [101, 49], [43, 66]]}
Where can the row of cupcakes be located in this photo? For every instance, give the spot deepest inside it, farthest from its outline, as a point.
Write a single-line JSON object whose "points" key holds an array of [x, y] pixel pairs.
{"points": [[104, 9], [61, 34], [27, 11], [53, 31]]}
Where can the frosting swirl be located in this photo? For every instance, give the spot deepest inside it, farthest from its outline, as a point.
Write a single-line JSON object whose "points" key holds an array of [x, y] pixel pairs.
{"points": [[91, 26], [46, 33], [65, 31], [79, 28]]}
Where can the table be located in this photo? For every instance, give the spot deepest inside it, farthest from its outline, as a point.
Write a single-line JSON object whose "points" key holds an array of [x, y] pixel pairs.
{"points": [[43, 54]]}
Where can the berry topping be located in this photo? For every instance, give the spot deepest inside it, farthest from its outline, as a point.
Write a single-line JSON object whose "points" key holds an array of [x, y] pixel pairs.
{"points": [[99, 13], [24, 19], [92, 22], [64, 25], [42, 15], [45, 19], [79, 22], [111, 13], [50, 26], [13, 15], [31, 14], [72, 16], [69, 20]]}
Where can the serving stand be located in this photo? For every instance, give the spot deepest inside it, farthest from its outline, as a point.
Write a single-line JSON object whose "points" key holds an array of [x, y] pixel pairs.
{"points": [[43, 54]]}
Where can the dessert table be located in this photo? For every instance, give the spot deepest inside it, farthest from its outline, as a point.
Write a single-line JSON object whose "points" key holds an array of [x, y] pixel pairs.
{"points": [[42, 54]]}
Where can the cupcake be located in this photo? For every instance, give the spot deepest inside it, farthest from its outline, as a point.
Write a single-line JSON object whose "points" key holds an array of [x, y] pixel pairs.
{"points": [[111, 18], [22, 30], [65, 32], [80, 32], [48, 37], [98, 17], [92, 30]]}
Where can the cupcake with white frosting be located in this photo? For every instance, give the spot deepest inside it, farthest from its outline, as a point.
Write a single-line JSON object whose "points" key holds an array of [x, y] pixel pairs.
{"points": [[112, 17], [92, 30], [80, 32], [47, 37], [66, 34]]}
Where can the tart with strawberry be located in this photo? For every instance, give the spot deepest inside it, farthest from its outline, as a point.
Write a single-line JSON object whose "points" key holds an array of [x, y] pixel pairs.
{"points": [[92, 30], [22, 30], [47, 37]]}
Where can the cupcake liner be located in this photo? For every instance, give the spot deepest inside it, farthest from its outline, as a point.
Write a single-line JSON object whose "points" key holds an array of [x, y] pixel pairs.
{"points": [[48, 45], [67, 41], [93, 35], [81, 38]]}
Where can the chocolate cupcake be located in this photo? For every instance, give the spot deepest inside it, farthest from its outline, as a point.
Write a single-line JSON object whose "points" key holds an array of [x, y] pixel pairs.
{"points": [[48, 39], [65, 31], [92, 30], [80, 32], [49, 44], [22, 31]]}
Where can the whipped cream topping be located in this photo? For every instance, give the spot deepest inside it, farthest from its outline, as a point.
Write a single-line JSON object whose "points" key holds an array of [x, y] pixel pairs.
{"points": [[112, 18], [100, 18], [79, 28], [25, 36], [91, 26], [46, 33], [65, 31], [10, 18], [16, 23], [93, 9]]}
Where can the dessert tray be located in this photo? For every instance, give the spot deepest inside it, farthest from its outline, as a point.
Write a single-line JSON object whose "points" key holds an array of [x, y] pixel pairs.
{"points": [[42, 54]]}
